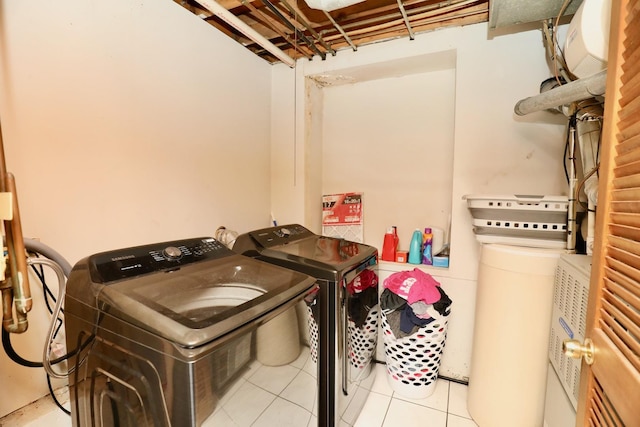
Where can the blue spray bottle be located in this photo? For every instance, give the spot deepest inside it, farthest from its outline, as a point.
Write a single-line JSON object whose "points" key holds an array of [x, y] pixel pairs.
{"points": [[415, 248]]}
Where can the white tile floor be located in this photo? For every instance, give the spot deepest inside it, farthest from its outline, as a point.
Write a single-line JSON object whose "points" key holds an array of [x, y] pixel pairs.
{"points": [[446, 407]]}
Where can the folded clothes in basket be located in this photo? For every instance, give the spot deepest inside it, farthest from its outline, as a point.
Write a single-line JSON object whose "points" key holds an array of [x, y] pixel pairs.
{"points": [[412, 299]]}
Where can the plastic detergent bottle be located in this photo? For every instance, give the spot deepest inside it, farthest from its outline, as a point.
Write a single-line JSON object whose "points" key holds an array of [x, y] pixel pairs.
{"points": [[415, 248], [389, 246], [427, 255], [396, 239]]}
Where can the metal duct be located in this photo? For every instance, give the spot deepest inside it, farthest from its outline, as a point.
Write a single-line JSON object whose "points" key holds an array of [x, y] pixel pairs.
{"points": [[576, 90], [505, 13]]}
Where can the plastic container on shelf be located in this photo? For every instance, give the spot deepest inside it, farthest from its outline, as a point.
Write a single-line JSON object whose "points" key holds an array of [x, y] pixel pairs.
{"points": [[415, 248], [401, 256], [396, 240], [389, 245], [427, 245]]}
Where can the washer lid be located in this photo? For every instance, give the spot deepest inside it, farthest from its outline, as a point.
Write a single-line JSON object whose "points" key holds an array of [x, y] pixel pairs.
{"points": [[294, 246], [200, 302]]}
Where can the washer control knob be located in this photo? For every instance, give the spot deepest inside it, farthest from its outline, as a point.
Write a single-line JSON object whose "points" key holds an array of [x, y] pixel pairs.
{"points": [[172, 253], [285, 232]]}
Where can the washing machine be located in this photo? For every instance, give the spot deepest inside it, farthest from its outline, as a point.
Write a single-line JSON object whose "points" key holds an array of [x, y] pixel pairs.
{"points": [[187, 333], [343, 317]]}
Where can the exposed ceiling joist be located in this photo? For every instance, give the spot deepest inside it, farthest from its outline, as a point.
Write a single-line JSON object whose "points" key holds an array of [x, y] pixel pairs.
{"points": [[299, 31], [291, 29]]}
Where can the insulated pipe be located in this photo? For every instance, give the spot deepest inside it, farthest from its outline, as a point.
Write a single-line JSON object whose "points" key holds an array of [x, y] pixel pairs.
{"points": [[576, 90], [589, 130], [228, 17]]}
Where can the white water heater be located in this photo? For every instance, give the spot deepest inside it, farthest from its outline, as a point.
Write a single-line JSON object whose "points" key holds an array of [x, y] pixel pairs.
{"points": [[587, 45]]}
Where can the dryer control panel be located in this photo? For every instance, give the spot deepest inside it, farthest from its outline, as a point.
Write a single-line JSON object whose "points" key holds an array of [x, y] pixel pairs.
{"points": [[276, 236], [130, 262]]}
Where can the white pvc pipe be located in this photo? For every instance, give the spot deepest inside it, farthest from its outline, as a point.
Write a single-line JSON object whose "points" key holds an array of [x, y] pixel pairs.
{"points": [[576, 90], [591, 227], [573, 196], [228, 17]]}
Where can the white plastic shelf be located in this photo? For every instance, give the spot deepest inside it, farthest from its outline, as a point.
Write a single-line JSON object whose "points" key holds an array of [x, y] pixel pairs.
{"points": [[537, 221]]}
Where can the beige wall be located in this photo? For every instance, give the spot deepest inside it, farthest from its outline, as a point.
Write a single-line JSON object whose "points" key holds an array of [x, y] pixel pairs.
{"points": [[494, 151], [126, 123], [392, 139]]}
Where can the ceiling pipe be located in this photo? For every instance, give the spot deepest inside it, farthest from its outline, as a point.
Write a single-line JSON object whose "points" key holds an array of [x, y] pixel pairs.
{"points": [[576, 90], [293, 28], [406, 20], [274, 27], [304, 20], [339, 28], [222, 13]]}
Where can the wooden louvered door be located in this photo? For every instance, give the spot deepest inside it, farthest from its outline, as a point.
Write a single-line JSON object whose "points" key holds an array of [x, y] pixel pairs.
{"points": [[610, 387]]}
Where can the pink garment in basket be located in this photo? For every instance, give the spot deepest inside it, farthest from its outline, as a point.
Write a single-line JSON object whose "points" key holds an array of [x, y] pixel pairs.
{"points": [[415, 285]]}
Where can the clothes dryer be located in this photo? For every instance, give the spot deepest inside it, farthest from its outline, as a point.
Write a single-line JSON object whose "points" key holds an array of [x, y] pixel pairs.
{"points": [[181, 333], [343, 317]]}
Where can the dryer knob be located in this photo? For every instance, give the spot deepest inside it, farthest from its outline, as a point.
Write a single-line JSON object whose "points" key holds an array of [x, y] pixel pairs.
{"points": [[172, 253]]}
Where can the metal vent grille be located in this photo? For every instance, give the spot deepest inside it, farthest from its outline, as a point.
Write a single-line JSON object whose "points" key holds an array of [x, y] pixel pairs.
{"points": [[570, 295]]}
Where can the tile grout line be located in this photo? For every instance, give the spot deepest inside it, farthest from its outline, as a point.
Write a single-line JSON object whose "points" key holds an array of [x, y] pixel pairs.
{"points": [[387, 411], [446, 423]]}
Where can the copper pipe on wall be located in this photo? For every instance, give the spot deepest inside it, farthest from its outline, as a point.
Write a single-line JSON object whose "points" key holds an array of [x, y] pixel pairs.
{"points": [[22, 297], [15, 286]]}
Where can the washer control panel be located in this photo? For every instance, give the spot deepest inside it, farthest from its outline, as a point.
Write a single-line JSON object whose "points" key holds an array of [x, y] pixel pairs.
{"points": [[166, 256]]}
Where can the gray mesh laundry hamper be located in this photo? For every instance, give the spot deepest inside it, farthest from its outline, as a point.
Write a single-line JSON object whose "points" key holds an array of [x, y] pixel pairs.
{"points": [[413, 361]]}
